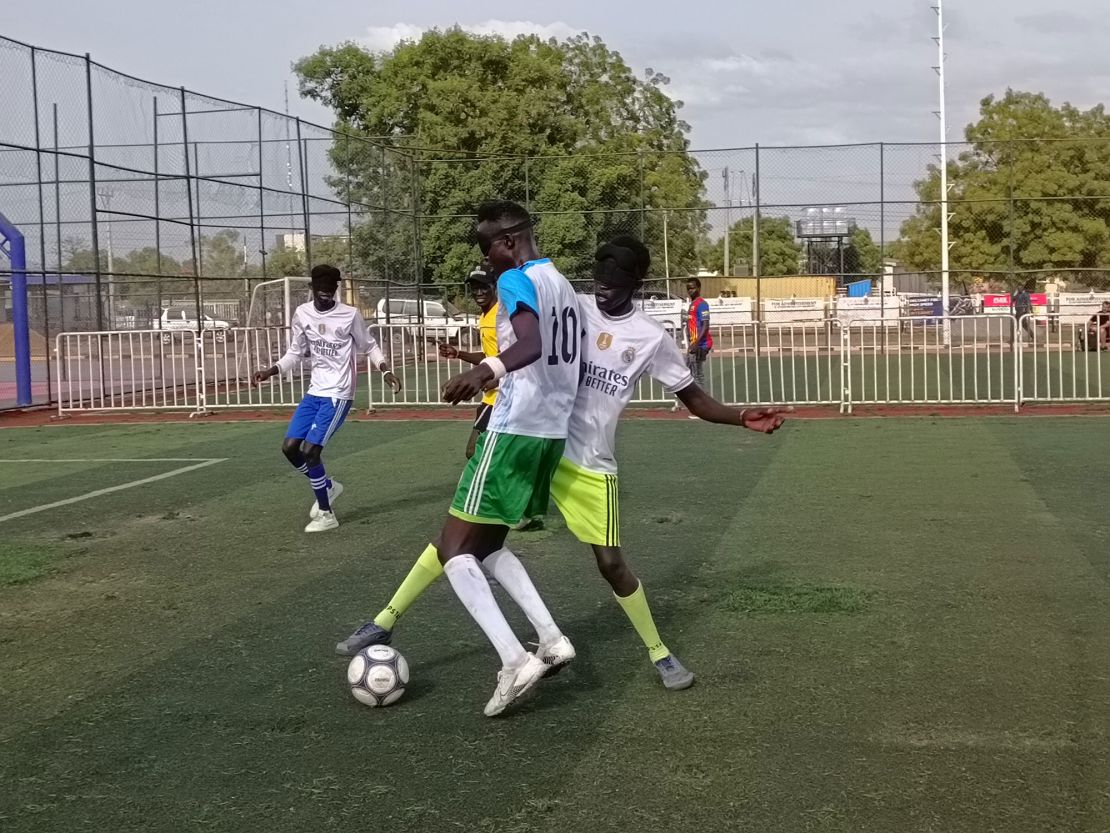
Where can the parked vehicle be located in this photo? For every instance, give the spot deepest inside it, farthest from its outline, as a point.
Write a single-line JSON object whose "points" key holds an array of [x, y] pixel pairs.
{"points": [[183, 319], [441, 320]]}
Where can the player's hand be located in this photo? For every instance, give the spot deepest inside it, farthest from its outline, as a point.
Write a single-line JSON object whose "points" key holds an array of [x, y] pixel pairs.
{"points": [[448, 351], [467, 385], [765, 420], [261, 376], [391, 379]]}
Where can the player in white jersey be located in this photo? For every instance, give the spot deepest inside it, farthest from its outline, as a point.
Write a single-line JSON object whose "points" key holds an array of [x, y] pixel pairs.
{"points": [[621, 345], [509, 476], [334, 334]]}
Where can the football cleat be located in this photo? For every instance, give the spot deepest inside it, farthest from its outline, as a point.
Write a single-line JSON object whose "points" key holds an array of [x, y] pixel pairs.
{"points": [[674, 674], [366, 634], [556, 655], [322, 522], [514, 683]]}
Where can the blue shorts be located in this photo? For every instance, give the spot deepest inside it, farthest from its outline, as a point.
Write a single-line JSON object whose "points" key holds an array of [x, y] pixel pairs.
{"points": [[317, 418]]}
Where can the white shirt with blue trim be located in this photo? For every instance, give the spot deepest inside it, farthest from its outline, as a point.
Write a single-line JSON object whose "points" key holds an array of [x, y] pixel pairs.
{"points": [[333, 339], [536, 401]]}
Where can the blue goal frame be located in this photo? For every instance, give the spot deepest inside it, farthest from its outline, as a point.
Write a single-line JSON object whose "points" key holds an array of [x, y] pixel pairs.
{"points": [[12, 245]]}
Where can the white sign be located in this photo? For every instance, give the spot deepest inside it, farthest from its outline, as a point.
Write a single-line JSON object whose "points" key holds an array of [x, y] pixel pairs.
{"points": [[794, 309], [1078, 307], [724, 311], [868, 309]]}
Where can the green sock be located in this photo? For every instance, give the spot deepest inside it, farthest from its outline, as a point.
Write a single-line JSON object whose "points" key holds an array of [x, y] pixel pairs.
{"points": [[638, 612], [426, 570]]}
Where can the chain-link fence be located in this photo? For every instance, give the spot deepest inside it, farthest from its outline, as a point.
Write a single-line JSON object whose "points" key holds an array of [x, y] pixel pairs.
{"points": [[139, 203], [143, 204]]}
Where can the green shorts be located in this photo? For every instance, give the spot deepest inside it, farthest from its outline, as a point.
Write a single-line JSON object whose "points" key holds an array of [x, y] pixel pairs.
{"points": [[587, 501], [507, 480]]}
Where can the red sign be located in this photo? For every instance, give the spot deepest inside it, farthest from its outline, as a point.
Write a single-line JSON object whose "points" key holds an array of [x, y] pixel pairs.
{"points": [[1038, 299], [994, 301]]}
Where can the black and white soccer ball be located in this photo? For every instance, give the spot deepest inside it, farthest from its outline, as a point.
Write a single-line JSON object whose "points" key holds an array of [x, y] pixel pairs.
{"points": [[377, 676]]}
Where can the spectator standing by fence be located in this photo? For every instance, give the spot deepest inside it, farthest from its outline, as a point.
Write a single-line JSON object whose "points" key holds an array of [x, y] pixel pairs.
{"points": [[697, 333], [1023, 309]]}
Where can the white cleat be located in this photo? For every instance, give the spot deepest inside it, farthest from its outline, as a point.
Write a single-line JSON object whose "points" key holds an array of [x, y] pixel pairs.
{"points": [[513, 683], [556, 655], [335, 491], [322, 522]]}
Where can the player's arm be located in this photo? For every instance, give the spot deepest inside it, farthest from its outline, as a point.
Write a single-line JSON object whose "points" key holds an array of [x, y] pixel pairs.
{"points": [[516, 293], [704, 406], [668, 368], [450, 351], [366, 343], [298, 346]]}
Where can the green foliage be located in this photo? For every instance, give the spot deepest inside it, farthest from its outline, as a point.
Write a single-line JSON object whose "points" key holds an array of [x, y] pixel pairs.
{"points": [[779, 252], [608, 144], [1036, 177]]}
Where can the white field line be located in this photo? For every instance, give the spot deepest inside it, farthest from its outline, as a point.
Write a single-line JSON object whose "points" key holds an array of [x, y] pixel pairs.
{"points": [[98, 492]]}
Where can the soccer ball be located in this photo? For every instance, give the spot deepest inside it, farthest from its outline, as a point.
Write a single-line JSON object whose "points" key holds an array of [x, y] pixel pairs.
{"points": [[377, 676]]}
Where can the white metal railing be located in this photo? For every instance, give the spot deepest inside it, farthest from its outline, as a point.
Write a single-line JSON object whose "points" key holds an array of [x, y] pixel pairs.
{"points": [[1064, 360], [229, 359], [987, 359], [127, 370], [915, 364]]}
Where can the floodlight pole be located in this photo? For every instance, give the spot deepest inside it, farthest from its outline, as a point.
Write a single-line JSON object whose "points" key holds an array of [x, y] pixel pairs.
{"points": [[941, 116]]}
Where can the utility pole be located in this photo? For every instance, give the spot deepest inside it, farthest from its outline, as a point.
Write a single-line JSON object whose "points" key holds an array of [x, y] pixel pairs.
{"points": [[943, 158]]}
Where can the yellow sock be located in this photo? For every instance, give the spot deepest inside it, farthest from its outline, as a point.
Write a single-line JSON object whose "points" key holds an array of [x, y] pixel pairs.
{"points": [[637, 610], [426, 570]]}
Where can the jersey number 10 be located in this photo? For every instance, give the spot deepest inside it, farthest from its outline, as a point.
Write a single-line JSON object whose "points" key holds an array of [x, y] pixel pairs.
{"points": [[567, 322]]}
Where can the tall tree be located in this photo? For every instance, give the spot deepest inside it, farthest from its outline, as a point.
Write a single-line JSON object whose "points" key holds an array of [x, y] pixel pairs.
{"points": [[1031, 192], [565, 127]]}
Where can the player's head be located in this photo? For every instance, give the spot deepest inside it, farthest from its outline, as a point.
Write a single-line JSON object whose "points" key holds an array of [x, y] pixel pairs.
{"points": [[1106, 306], [505, 234], [693, 288], [325, 284], [482, 285], [620, 267]]}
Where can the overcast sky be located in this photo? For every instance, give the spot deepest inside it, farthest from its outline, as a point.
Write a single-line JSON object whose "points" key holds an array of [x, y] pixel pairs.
{"points": [[786, 72]]}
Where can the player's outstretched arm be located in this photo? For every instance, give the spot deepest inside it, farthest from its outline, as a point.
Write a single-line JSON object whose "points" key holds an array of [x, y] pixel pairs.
{"points": [[450, 351], [704, 406], [525, 350]]}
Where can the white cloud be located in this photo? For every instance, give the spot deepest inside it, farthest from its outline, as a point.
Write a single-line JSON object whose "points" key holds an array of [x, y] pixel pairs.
{"points": [[386, 38]]}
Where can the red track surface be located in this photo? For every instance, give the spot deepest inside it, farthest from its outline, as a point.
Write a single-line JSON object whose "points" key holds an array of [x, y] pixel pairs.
{"points": [[33, 417]]}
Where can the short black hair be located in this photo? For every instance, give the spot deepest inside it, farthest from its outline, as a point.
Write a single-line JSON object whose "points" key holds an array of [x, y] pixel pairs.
{"points": [[506, 212], [326, 272], [695, 281], [643, 256]]}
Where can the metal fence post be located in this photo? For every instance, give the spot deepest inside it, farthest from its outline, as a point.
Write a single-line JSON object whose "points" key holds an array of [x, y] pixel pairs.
{"points": [[42, 220], [192, 218], [92, 195], [302, 172]]}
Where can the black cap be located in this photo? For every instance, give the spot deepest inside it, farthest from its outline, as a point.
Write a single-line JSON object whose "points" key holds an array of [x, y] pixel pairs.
{"points": [[483, 273]]}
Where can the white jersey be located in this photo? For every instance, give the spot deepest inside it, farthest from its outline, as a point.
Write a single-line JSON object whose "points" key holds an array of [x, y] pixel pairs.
{"points": [[616, 352], [334, 339], [536, 400]]}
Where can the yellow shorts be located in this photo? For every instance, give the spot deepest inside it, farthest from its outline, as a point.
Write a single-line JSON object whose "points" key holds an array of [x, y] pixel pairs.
{"points": [[587, 501]]}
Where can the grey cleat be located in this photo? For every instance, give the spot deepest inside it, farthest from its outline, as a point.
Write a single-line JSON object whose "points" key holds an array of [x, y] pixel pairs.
{"points": [[366, 634], [674, 674]]}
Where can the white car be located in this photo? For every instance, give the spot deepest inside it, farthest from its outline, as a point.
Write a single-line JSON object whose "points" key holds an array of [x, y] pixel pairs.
{"points": [[180, 319], [441, 321]]}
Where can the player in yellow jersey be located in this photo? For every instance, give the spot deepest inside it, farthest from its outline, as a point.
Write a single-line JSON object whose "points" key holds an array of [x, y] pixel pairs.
{"points": [[482, 285]]}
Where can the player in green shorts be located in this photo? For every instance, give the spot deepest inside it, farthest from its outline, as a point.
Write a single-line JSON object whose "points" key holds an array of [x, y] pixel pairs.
{"points": [[621, 344], [509, 476]]}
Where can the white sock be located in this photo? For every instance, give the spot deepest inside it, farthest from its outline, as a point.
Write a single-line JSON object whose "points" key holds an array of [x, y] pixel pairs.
{"points": [[472, 588], [504, 566]]}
